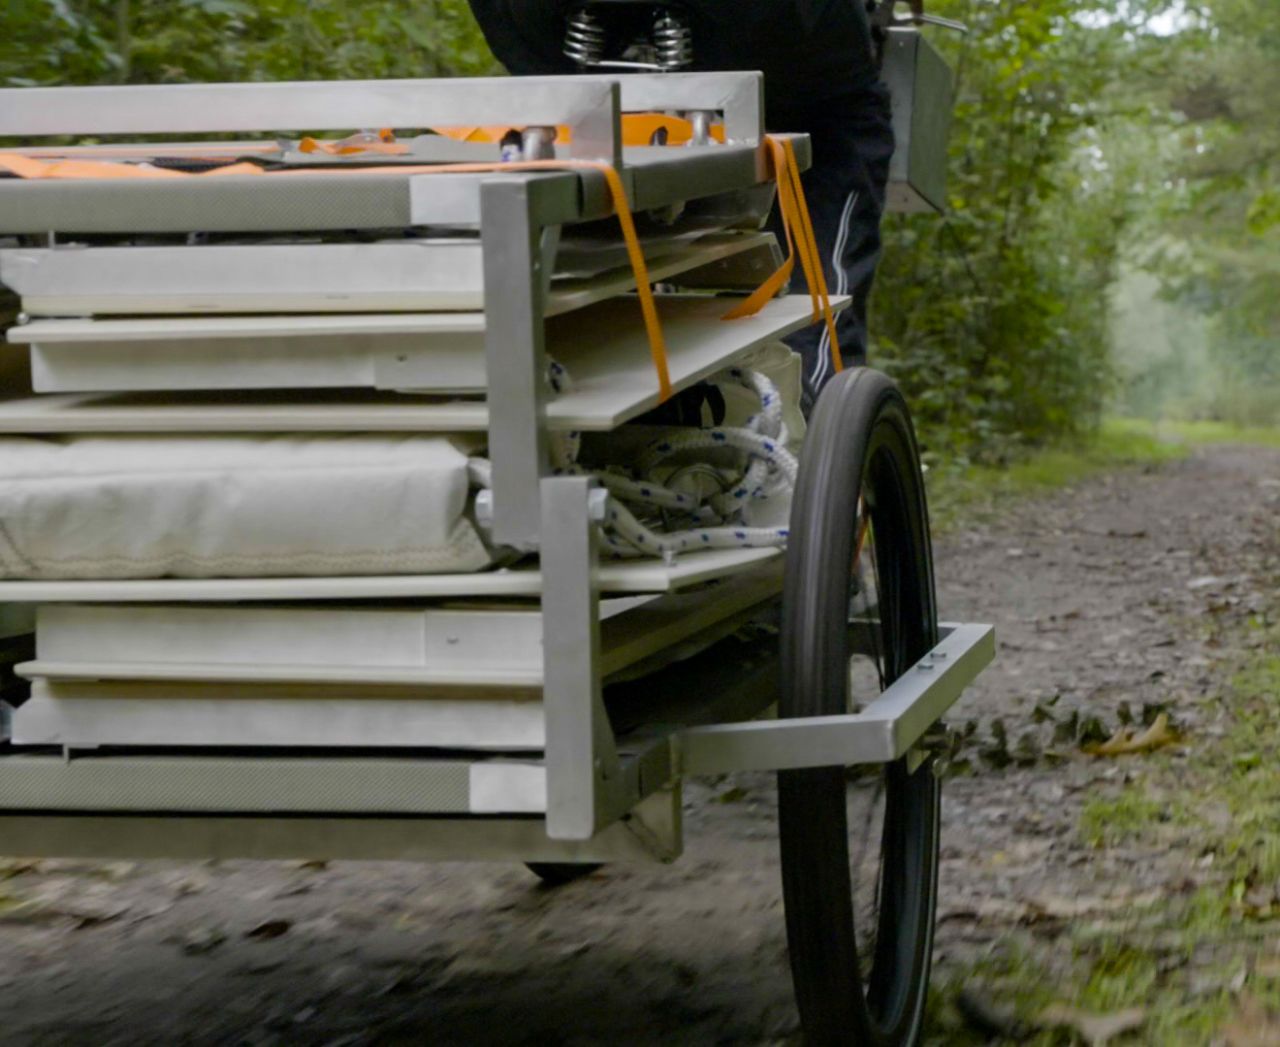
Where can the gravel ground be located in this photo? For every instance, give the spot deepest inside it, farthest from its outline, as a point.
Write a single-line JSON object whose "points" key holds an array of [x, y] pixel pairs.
{"points": [[1100, 595]]}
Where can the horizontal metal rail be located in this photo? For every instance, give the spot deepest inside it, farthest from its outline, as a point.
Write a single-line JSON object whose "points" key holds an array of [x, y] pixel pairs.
{"points": [[589, 106], [650, 832], [884, 731]]}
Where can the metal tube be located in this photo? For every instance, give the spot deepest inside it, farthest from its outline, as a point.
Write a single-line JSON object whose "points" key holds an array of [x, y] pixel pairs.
{"points": [[881, 733]]}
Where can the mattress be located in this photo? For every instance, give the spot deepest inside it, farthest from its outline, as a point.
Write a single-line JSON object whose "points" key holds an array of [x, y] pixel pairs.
{"points": [[234, 506]]}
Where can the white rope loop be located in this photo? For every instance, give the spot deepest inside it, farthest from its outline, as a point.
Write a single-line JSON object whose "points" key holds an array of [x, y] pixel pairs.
{"points": [[717, 521]]}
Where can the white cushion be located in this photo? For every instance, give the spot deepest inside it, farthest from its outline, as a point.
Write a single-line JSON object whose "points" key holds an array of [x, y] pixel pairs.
{"points": [[234, 506]]}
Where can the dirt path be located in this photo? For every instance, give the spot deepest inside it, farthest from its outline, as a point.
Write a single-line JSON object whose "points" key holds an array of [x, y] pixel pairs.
{"points": [[1101, 596]]}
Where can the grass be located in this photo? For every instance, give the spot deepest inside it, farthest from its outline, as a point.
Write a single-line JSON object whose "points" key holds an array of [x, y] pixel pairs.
{"points": [[980, 490], [1209, 432], [1195, 958], [1192, 960], [957, 494], [1112, 819]]}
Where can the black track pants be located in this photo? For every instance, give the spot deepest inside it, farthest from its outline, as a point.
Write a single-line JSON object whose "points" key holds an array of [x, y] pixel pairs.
{"points": [[852, 145]]}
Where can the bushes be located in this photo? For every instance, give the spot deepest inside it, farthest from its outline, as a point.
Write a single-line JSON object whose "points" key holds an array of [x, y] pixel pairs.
{"points": [[995, 317], [171, 41]]}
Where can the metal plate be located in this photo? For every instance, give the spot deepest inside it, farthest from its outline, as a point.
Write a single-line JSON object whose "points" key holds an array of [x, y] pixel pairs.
{"points": [[920, 85]]}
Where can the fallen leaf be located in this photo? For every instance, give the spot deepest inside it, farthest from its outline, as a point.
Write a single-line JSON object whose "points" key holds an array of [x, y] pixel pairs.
{"points": [[11, 867], [1127, 740], [314, 864], [202, 940], [28, 912], [88, 913], [1261, 896], [269, 929], [1094, 1029], [990, 1018], [1091, 730]]}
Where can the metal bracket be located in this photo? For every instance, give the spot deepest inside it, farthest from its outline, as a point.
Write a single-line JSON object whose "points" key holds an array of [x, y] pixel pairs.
{"points": [[883, 732], [585, 785], [739, 96]]}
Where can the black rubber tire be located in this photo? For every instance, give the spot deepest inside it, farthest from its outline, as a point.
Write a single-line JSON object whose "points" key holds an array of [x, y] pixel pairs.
{"points": [[557, 874], [860, 443]]}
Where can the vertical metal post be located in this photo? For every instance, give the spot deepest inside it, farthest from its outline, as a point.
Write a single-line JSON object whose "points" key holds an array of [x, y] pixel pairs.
{"points": [[514, 351], [584, 789]]}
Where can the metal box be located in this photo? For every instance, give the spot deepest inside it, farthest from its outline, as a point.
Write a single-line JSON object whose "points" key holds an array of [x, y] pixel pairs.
{"points": [[921, 84]]}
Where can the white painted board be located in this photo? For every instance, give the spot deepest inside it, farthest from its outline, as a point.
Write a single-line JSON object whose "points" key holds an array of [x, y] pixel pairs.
{"points": [[478, 648], [271, 278], [632, 576], [214, 714], [604, 348]]}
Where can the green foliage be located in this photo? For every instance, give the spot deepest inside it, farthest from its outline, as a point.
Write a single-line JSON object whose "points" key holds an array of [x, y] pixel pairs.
{"points": [[1068, 150], [174, 41], [960, 493], [1218, 239], [995, 317]]}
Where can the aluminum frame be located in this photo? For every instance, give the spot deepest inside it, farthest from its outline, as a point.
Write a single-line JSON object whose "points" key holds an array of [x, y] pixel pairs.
{"points": [[599, 788], [884, 731], [588, 106], [738, 96]]}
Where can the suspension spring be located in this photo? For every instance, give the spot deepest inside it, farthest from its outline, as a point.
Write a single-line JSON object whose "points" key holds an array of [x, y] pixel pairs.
{"points": [[584, 39], [672, 42]]}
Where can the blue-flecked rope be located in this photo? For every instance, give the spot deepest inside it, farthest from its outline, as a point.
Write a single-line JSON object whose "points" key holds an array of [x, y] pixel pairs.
{"points": [[770, 469]]}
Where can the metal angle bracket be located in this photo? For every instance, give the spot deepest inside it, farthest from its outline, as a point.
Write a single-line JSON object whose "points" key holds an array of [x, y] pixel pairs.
{"points": [[884, 731], [585, 787]]}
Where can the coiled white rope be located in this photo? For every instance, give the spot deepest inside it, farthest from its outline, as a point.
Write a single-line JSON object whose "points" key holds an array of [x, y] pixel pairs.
{"points": [[719, 520]]}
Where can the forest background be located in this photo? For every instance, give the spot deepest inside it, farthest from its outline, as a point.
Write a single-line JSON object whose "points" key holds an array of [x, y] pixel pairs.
{"points": [[1113, 236]]}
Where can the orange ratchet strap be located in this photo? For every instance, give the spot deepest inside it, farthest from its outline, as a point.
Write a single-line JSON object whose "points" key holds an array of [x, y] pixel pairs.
{"points": [[637, 129], [791, 202], [30, 167], [27, 167], [801, 241]]}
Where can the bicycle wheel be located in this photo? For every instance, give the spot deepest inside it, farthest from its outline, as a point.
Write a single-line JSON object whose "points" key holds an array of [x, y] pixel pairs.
{"points": [[858, 611]]}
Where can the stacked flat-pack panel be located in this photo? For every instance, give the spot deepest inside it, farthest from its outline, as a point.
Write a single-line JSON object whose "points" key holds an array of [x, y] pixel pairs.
{"points": [[242, 447]]}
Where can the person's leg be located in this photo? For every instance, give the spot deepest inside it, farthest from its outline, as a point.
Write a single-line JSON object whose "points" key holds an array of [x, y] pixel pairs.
{"points": [[852, 145]]}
